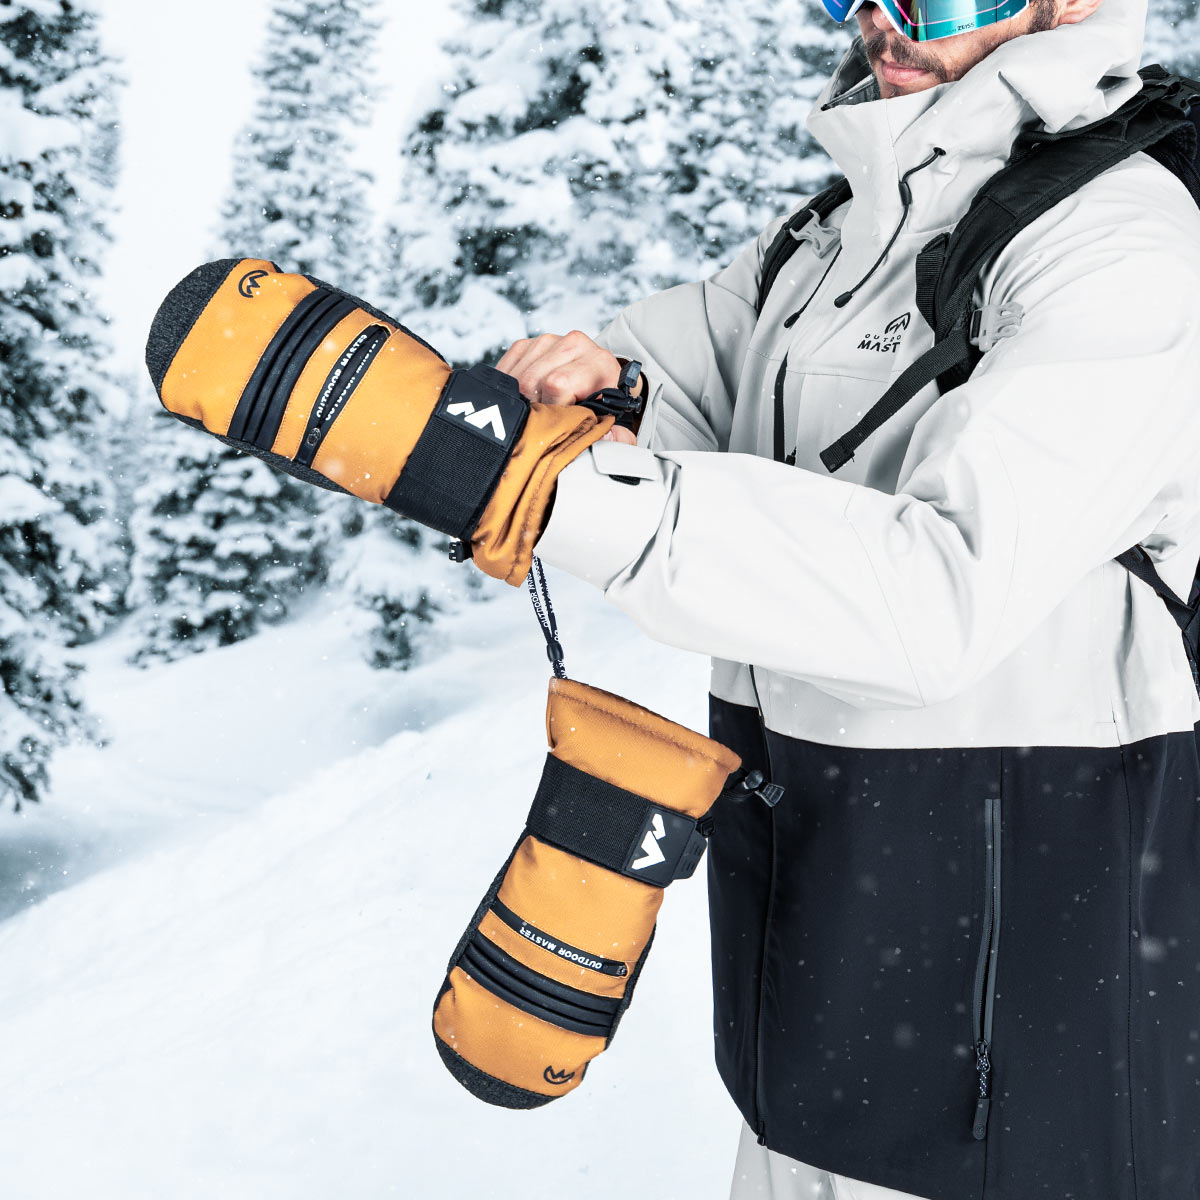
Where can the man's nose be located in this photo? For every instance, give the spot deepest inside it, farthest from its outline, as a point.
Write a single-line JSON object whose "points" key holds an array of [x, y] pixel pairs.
{"points": [[876, 17]]}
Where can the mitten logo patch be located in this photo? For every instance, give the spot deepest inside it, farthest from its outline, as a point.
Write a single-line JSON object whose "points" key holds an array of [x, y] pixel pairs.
{"points": [[484, 403], [248, 284], [660, 848], [550, 1075], [652, 853], [480, 418]]}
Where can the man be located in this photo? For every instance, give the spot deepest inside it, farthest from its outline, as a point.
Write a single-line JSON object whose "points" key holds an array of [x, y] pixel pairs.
{"points": [[961, 958]]}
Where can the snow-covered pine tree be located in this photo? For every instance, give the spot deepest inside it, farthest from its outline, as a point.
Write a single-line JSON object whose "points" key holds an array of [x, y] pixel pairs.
{"points": [[400, 577], [1173, 36], [60, 556], [222, 542], [217, 554], [744, 154], [577, 159], [297, 197], [524, 179]]}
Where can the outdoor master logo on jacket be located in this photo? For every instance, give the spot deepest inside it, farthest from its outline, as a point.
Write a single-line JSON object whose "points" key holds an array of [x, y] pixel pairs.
{"points": [[887, 342], [962, 957]]}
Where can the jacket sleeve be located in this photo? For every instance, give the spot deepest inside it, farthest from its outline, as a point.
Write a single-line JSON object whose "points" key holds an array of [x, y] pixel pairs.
{"points": [[1071, 442], [691, 341]]}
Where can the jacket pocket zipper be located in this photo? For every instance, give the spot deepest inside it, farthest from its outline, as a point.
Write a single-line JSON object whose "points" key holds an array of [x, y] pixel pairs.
{"points": [[339, 386], [760, 1091], [260, 408], [985, 970]]}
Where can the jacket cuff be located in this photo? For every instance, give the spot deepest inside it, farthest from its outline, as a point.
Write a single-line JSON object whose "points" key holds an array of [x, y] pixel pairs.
{"points": [[608, 505]]}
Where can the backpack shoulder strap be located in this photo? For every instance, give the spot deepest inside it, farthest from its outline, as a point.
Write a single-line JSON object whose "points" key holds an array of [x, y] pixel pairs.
{"points": [[1043, 169], [790, 235], [1187, 616], [1137, 562]]}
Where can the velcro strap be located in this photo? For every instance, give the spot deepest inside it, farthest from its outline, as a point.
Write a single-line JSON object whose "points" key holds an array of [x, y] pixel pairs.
{"points": [[462, 452], [612, 827]]}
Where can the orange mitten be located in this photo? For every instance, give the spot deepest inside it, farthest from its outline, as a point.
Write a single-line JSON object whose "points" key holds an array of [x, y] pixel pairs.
{"points": [[329, 389], [540, 979]]}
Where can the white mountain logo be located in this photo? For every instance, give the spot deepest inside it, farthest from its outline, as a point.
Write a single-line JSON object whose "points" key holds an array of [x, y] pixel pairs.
{"points": [[652, 855], [481, 419]]}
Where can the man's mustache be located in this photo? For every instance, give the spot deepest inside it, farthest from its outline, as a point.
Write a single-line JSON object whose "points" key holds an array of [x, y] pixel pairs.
{"points": [[903, 53]]}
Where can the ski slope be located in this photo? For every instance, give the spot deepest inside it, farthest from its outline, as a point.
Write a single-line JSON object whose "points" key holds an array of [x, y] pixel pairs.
{"points": [[226, 929]]}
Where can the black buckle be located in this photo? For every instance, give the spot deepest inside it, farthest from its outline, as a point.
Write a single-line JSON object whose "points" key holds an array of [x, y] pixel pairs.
{"points": [[693, 852], [619, 402]]}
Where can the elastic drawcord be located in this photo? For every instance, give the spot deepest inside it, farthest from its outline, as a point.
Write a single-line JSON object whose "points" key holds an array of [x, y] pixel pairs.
{"points": [[906, 200], [790, 321], [554, 650]]}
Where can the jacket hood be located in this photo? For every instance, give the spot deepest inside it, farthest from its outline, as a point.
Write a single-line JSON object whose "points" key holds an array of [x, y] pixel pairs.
{"points": [[1069, 76], [1076, 74], [1060, 78]]}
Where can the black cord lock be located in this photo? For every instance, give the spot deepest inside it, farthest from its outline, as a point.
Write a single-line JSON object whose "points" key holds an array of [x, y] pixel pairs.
{"points": [[743, 783], [619, 402]]}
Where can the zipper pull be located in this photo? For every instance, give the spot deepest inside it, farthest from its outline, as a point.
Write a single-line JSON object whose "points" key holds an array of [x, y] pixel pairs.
{"points": [[982, 1106], [979, 1130], [762, 1132]]}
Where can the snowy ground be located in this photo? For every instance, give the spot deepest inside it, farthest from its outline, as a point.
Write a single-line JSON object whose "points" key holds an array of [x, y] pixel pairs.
{"points": [[225, 931]]}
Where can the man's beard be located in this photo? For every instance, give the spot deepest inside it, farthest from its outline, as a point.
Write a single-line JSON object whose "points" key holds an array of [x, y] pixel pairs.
{"points": [[903, 53]]}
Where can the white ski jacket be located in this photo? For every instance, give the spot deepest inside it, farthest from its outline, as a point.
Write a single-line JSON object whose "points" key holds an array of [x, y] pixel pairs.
{"points": [[953, 584]]}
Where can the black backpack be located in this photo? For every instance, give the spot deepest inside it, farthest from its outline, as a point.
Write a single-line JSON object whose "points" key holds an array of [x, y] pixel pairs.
{"points": [[1163, 119]]}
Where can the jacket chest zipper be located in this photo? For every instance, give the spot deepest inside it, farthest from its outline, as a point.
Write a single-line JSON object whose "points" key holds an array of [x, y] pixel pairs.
{"points": [[780, 376], [985, 969]]}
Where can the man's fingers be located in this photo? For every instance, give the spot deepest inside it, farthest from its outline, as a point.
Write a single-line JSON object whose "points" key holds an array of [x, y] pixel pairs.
{"points": [[560, 369], [618, 433], [521, 353], [512, 356], [547, 374], [570, 380]]}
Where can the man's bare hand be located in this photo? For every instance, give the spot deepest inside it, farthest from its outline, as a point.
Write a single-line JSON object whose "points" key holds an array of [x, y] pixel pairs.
{"points": [[564, 369]]}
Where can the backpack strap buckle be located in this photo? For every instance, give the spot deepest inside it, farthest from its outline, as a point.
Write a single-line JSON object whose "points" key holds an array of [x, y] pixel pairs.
{"points": [[993, 323], [822, 237]]}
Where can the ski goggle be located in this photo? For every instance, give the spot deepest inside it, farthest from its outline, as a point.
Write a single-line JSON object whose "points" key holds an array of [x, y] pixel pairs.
{"points": [[928, 20]]}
